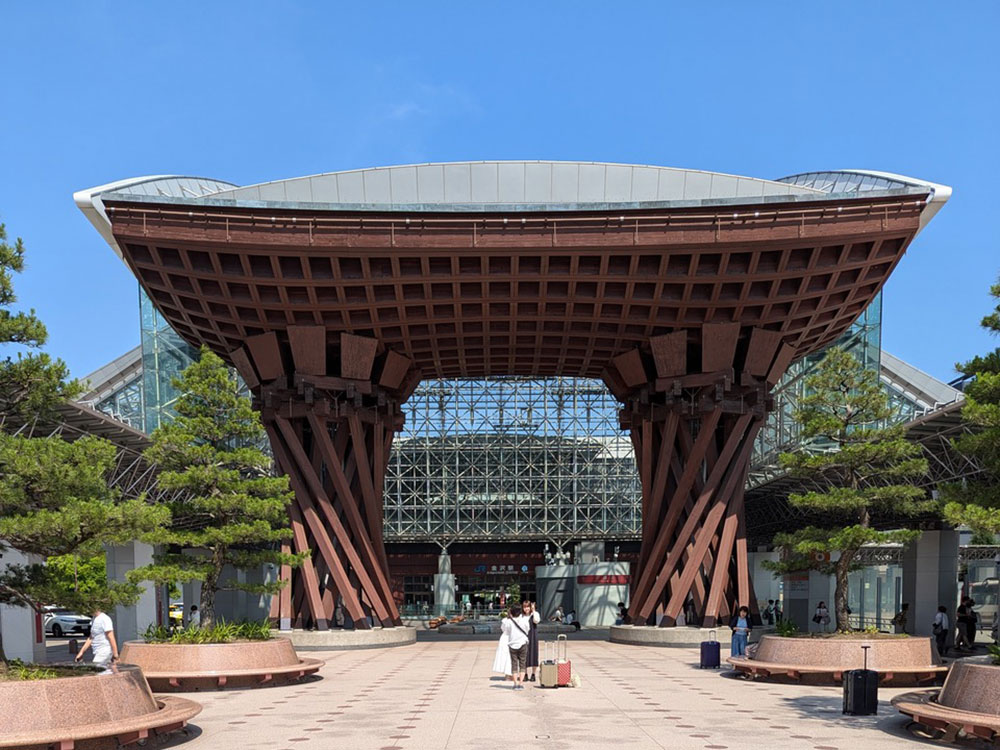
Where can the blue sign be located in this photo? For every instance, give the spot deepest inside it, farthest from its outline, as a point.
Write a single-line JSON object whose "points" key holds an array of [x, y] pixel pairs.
{"points": [[479, 569], [524, 568]]}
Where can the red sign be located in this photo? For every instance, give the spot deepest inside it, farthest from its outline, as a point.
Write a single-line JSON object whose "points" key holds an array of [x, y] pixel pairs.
{"points": [[613, 580]]}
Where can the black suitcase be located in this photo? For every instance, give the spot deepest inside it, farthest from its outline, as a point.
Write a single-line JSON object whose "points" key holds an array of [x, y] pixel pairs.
{"points": [[710, 658], [861, 692]]}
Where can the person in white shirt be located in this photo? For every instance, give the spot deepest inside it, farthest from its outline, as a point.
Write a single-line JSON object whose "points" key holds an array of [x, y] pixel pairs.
{"points": [[501, 660], [194, 619], [102, 640], [517, 625], [940, 629]]}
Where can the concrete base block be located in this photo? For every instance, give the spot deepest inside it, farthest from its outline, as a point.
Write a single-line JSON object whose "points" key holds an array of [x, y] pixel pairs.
{"points": [[343, 640]]}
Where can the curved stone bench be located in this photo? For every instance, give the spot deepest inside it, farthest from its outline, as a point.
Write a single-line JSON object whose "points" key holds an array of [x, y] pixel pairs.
{"points": [[340, 639], [208, 666], [968, 703], [897, 660], [102, 710]]}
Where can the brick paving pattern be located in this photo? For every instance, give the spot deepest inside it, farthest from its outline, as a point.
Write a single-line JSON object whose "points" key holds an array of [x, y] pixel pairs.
{"points": [[442, 695]]}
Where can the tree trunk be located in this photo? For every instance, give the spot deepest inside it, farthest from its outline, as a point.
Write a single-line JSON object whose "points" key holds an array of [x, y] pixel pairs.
{"points": [[3, 658], [209, 588], [843, 568]]}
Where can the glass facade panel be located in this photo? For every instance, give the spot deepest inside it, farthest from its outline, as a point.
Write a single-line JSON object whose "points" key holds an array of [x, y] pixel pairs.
{"points": [[164, 356], [781, 433]]}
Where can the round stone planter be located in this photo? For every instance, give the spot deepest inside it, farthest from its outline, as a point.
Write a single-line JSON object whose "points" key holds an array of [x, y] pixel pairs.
{"points": [[94, 711], [339, 639], [210, 666], [969, 702], [678, 637], [900, 661]]}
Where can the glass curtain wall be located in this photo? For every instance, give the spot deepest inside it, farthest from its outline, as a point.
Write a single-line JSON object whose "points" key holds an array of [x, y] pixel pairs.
{"points": [[164, 356], [781, 433]]}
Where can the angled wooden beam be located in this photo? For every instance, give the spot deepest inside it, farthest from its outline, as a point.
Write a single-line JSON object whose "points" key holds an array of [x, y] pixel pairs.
{"points": [[291, 467], [733, 442], [332, 521], [349, 504], [665, 532]]}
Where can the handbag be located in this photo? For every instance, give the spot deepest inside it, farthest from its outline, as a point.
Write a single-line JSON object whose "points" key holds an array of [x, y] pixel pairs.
{"points": [[817, 619]]}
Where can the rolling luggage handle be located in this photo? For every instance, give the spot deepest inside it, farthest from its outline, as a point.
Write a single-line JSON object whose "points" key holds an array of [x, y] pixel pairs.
{"points": [[564, 641], [712, 635]]}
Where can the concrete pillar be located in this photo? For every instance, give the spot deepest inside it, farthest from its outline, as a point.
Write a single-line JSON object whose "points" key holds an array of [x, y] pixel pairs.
{"points": [[21, 627], [556, 584], [803, 592], [765, 584], [444, 585], [597, 589], [930, 578], [131, 622]]}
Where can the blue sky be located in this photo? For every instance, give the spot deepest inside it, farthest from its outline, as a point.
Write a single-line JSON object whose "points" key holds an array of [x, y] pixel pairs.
{"points": [[246, 92]]}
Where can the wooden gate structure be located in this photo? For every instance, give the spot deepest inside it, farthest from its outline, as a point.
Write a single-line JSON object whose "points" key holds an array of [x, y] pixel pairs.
{"points": [[689, 309]]}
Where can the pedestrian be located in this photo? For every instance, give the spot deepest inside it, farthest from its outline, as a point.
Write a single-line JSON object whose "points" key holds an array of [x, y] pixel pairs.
{"points": [[822, 615], [741, 627], [194, 618], [778, 614], [973, 620], [571, 619], [690, 613], [516, 626], [769, 612], [558, 615], [899, 620], [501, 660], [102, 640], [962, 627], [528, 608], [622, 614], [940, 629]]}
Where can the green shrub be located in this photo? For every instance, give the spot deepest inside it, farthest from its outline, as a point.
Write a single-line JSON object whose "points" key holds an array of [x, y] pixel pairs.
{"points": [[994, 650], [786, 629], [18, 670], [221, 632]]}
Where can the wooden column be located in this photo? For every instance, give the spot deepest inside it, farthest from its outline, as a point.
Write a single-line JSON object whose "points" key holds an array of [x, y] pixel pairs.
{"points": [[693, 404], [330, 434]]}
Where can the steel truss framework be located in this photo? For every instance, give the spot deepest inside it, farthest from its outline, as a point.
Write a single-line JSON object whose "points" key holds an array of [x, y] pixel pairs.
{"points": [[132, 475], [512, 458], [769, 511]]}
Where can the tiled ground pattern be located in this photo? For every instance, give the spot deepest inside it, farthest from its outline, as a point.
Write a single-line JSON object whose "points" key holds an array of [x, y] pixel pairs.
{"points": [[442, 695]]}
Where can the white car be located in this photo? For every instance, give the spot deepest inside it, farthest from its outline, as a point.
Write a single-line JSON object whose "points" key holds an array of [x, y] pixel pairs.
{"points": [[60, 622]]}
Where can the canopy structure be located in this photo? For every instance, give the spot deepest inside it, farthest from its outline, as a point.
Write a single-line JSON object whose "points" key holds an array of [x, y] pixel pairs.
{"points": [[688, 292]]}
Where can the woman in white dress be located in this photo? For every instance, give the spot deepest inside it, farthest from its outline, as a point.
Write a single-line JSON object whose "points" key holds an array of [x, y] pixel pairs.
{"points": [[501, 662]]}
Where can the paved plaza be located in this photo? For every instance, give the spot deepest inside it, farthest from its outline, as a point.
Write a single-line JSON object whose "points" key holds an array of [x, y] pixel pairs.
{"points": [[441, 694]]}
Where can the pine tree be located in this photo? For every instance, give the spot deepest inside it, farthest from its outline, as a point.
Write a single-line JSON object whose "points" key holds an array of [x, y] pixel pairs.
{"points": [[55, 497], [976, 502], [233, 511], [865, 467]]}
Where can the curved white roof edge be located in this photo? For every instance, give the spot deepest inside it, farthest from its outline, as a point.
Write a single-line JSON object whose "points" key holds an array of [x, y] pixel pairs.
{"points": [[517, 185], [514, 183], [166, 185], [839, 180]]}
